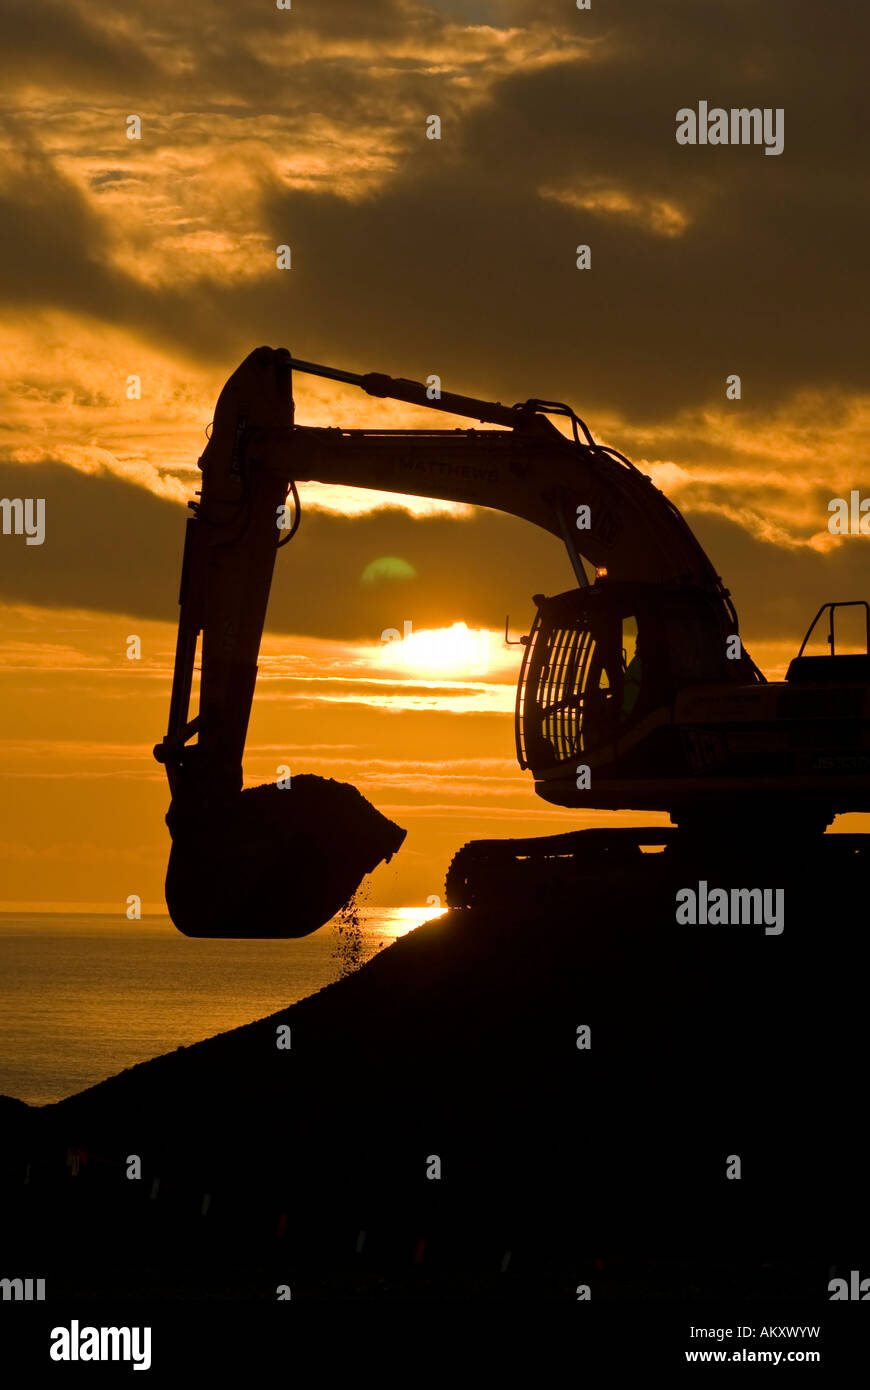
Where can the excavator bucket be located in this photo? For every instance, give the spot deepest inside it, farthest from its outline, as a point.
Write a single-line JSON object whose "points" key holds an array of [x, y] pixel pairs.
{"points": [[274, 861]]}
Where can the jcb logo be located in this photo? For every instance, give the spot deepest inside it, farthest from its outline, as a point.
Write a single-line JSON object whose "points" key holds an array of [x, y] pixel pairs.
{"points": [[704, 749]]}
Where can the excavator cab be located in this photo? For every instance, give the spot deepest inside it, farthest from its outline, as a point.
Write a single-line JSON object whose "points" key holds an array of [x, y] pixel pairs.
{"points": [[600, 659]]}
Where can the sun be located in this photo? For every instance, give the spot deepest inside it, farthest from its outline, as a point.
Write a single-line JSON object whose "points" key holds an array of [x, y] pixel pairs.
{"points": [[457, 651]]}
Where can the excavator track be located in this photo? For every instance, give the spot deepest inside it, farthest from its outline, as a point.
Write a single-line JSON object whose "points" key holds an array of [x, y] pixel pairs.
{"points": [[487, 873], [550, 868]]}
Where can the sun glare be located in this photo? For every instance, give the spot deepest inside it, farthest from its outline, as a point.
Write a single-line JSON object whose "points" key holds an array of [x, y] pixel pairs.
{"points": [[455, 651]]}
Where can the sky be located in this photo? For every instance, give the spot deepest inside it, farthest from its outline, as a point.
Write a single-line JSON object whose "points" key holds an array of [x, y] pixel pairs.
{"points": [[156, 257]]}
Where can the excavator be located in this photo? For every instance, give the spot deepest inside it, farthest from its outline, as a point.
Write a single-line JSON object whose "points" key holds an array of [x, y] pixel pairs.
{"points": [[635, 692]]}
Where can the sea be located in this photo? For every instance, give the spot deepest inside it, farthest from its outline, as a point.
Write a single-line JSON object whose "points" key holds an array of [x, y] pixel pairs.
{"points": [[84, 996]]}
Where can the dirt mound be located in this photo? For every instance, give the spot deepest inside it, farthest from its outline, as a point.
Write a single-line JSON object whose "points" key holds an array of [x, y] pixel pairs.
{"points": [[435, 1112], [275, 861]]}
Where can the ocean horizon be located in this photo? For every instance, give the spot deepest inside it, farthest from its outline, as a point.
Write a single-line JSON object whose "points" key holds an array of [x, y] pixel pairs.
{"points": [[88, 994]]}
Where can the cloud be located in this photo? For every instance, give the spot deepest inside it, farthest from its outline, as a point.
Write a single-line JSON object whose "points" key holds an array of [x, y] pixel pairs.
{"points": [[307, 126], [112, 546], [59, 46], [415, 256]]}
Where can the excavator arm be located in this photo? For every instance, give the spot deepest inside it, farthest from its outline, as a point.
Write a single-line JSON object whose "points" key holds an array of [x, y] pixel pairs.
{"points": [[604, 510]]}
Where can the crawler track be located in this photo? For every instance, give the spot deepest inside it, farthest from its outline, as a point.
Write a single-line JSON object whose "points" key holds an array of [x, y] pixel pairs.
{"points": [[549, 869]]}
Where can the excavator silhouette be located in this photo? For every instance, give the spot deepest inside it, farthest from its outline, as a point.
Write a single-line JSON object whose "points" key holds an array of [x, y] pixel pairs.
{"points": [[635, 690]]}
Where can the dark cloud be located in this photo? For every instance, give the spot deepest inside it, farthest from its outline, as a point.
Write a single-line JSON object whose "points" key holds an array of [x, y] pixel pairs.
{"points": [[460, 266], [83, 43], [58, 42], [110, 176], [778, 593], [107, 544], [112, 547], [50, 242], [462, 258], [55, 254]]}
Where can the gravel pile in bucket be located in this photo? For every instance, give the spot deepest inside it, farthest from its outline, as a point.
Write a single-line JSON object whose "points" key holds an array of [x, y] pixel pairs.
{"points": [[275, 861]]}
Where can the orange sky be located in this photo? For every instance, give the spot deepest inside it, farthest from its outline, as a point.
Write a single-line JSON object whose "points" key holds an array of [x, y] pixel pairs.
{"points": [[156, 257]]}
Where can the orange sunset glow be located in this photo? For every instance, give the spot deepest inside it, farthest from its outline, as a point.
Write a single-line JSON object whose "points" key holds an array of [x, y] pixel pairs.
{"points": [[435, 678], [154, 258]]}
